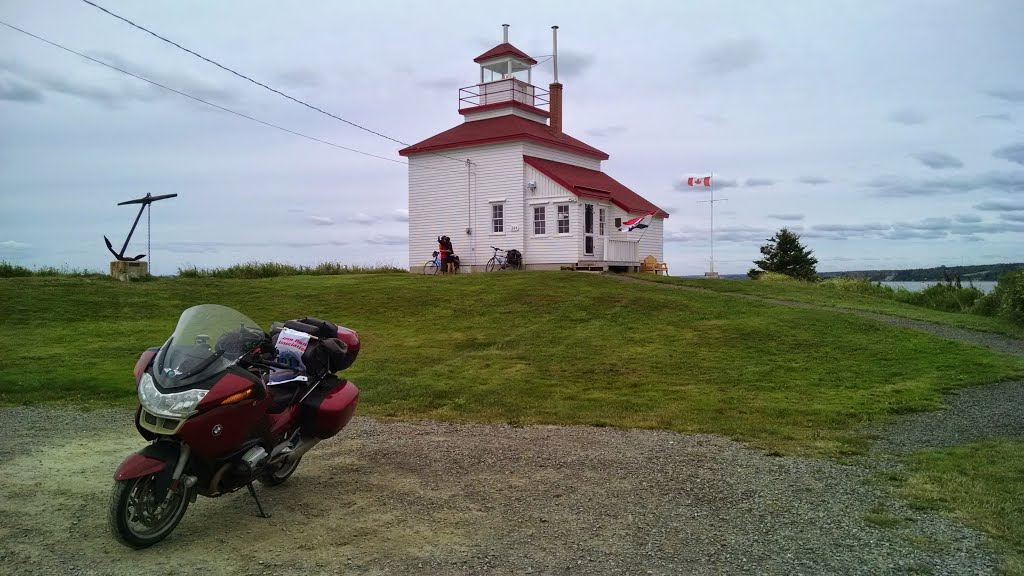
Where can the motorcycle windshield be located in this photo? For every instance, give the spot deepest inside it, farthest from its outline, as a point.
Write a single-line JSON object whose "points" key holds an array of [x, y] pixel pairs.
{"points": [[207, 340]]}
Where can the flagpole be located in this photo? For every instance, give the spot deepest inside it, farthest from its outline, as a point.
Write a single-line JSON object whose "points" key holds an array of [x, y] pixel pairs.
{"points": [[712, 223]]}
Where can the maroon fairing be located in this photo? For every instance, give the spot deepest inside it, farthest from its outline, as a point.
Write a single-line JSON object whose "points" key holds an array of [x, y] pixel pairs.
{"points": [[138, 465]]}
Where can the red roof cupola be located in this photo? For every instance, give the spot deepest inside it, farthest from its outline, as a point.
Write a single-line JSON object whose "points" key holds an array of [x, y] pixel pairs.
{"points": [[505, 87]]}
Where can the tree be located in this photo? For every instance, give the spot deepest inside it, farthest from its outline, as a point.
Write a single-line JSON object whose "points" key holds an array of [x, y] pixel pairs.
{"points": [[785, 254]]}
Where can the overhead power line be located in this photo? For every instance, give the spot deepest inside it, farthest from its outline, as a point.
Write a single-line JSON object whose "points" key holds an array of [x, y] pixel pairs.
{"points": [[256, 82], [211, 104]]}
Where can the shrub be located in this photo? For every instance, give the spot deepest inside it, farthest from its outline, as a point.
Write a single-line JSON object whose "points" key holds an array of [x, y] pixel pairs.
{"points": [[252, 270], [862, 286], [9, 270], [1009, 293], [947, 297], [774, 277]]}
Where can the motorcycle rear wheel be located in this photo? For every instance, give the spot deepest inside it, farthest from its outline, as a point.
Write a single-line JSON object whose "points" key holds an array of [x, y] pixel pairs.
{"points": [[280, 475], [137, 519]]}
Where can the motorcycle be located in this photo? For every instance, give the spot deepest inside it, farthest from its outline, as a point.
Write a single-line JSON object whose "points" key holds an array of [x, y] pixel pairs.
{"points": [[218, 415]]}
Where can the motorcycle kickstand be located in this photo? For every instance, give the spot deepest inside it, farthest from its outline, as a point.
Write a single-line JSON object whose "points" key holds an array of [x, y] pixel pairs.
{"points": [[256, 498]]}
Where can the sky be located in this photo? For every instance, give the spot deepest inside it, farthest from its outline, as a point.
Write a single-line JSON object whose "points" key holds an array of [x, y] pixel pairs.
{"points": [[889, 134]]}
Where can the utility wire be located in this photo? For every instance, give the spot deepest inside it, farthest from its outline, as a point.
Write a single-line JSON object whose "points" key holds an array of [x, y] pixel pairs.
{"points": [[217, 106], [256, 82]]}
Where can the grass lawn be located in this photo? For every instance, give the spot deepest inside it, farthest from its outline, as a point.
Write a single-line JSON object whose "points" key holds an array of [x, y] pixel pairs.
{"points": [[981, 484], [823, 295], [524, 348]]}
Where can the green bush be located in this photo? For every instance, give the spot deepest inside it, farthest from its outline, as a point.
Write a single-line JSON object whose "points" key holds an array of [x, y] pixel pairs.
{"points": [[1009, 293], [946, 297], [774, 277], [862, 286], [9, 270], [252, 270]]}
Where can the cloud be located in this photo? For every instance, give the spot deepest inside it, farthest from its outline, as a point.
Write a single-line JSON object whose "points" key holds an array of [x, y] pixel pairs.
{"points": [[12, 245], [720, 184], [320, 220], [845, 228], [723, 234], [111, 93], [938, 160], [400, 215], [755, 182], [388, 239], [813, 180], [908, 117], [613, 130], [300, 78], [1003, 117], [1012, 216], [714, 119], [1012, 153], [1007, 94], [447, 84], [363, 219], [967, 218], [13, 90], [1000, 206], [573, 63], [892, 186], [787, 217], [730, 56]]}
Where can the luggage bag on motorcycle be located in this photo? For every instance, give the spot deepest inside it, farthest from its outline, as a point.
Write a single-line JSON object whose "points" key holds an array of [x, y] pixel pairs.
{"points": [[329, 356], [330, 407]]}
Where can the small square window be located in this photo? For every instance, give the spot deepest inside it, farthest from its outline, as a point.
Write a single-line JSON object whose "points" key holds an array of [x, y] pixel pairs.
{"points": [[539, 220], [497, 217], [563, 219], [618, 223]]}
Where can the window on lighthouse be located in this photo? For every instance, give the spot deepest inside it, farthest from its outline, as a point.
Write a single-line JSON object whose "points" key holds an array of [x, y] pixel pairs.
{"points": [[497, 218]]}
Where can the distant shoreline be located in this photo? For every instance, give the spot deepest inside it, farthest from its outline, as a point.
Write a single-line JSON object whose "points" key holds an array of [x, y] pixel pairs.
{"points": [[978, 272]]}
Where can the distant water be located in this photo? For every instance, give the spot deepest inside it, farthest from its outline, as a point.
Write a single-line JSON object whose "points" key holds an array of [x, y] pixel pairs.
{"points": [[985, 286]]}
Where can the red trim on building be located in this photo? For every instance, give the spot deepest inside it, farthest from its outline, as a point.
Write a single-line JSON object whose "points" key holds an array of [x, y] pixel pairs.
{"points": [[507, 128], [511, 103], [505, 49], [595, 184]]}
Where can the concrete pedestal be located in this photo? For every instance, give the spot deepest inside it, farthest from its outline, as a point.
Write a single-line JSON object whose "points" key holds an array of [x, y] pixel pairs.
{"points": [[125, 270]]}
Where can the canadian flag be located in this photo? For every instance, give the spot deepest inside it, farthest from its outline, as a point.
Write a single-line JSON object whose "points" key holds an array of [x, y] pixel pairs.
{"points": [[699, 181]]}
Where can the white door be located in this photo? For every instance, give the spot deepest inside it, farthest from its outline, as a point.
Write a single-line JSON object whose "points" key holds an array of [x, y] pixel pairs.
{"points": [[588, 229]]}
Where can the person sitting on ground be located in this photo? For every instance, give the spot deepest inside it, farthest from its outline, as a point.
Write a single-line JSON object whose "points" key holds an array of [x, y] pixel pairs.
{"points": [[444, 246]]}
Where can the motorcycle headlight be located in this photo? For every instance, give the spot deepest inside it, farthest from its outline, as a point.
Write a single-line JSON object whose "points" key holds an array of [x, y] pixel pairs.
{"points": [[176, 405]]}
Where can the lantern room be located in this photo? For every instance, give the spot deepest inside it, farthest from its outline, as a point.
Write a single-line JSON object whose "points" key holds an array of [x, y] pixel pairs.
{"points": [[506, 79]]}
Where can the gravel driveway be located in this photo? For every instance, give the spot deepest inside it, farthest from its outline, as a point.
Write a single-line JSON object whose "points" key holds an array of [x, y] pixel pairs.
{"points": [[429, 498]]}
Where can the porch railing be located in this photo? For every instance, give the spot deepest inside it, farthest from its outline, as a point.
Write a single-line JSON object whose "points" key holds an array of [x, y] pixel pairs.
{"points": [[621, 251]]}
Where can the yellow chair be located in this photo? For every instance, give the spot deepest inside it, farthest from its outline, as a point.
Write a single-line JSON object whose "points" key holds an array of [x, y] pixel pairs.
{"points": [[651, 264]]}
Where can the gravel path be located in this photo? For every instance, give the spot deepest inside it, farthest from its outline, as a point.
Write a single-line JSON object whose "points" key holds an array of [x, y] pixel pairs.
{"points": [[992, 341], [971, 415], [431, 498]]}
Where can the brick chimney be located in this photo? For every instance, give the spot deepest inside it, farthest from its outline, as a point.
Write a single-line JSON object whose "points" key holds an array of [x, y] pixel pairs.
{"points": [[556, 107], [555, 93]]}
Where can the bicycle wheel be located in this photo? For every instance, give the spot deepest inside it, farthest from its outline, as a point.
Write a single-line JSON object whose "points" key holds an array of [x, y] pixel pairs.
{"points": [[491, 263], [430, 268]]}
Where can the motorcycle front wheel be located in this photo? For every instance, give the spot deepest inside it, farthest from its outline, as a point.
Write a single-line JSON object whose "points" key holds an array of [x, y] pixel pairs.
{"points": [[139, 517]]}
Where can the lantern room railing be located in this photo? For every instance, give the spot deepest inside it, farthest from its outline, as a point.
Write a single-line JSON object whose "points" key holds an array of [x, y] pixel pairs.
{"points": [[509, 89]]}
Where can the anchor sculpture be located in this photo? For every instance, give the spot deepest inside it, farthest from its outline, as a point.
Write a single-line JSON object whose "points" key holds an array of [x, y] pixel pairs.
{"points": [[145, 201]]}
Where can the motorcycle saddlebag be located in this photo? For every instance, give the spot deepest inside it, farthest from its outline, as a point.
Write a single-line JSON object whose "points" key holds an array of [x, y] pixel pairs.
{"points": [[329, 408]]}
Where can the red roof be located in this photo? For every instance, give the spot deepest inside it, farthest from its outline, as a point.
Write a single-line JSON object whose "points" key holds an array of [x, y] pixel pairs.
{"points": [[505, 49], [501, 129], [594, 184]]}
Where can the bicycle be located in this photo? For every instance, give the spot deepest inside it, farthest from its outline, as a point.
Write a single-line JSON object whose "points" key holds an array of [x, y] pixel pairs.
{"points": [[431, 267], [500, 261]]}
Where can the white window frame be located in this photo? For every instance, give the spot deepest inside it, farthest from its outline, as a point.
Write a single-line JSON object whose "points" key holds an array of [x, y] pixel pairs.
{"points": [[558, 219], [497, 223], [543, 220], [602, 215]]}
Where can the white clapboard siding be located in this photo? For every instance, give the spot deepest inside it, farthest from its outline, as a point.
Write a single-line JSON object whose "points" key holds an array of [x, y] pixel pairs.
{"points": [[495, 112], [560, 155], [552, 247], [440, 201], [652, 243]]}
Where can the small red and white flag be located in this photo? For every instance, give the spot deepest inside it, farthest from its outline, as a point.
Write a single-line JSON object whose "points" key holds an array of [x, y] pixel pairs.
{"points": [[638, 222], [699, 181]]}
